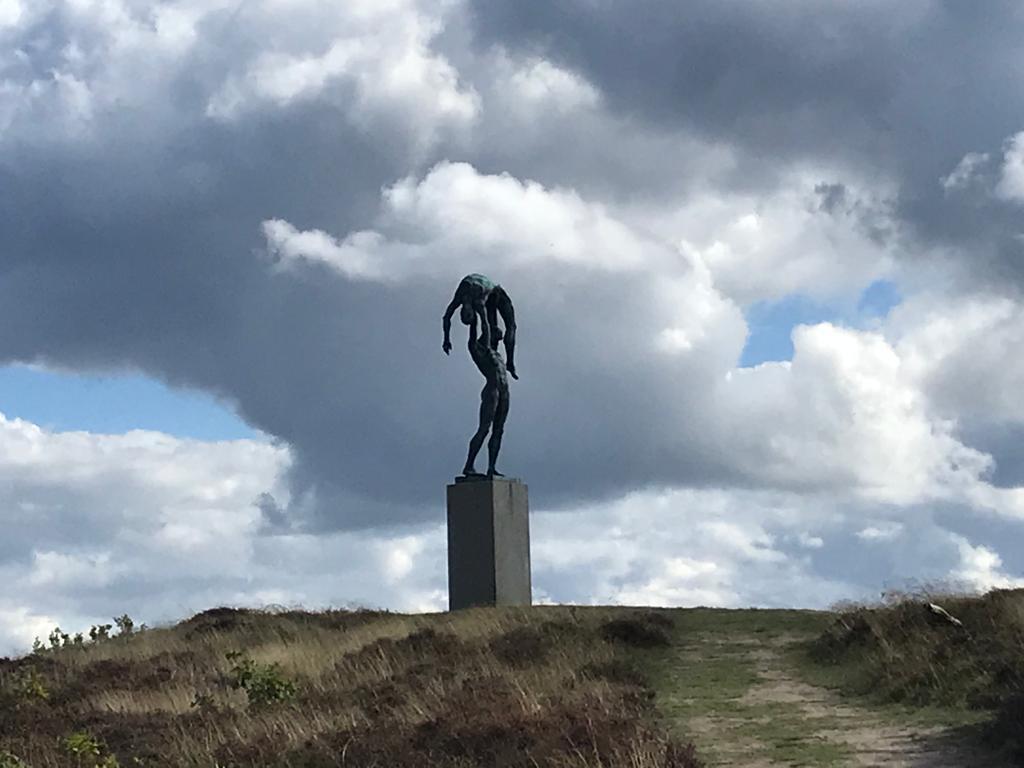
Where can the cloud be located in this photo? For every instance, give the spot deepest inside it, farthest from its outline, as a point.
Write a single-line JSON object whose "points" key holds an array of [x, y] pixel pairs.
{"points": [[559, 250], [273, 203], [744, 548], [843, 415], [1003, 181], [159, 527], [966, 171], [377, 64], [1011, 180], [845, 87], [883, 532], [351, 258], [980, 568], [93, 519], [11, 12], [805, 237], [536, 84], [962, 350], [162, 547], [19, 627], [670, 317], [456, 216]]}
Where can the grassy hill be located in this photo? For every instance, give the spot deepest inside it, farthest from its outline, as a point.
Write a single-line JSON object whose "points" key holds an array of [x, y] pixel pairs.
{"points": [[892, 684], [887, 685], [964, 669], [548, 686]]}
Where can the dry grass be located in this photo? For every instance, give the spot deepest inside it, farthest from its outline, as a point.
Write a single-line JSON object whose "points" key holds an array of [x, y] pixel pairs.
{"points": [[901, 651], [543, 687]]}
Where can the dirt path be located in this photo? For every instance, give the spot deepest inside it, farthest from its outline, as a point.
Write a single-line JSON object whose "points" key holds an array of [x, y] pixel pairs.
{"points": [[743, 704]]}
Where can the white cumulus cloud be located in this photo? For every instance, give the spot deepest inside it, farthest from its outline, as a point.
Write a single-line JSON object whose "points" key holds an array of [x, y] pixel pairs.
{"points": [[1011, 180]]}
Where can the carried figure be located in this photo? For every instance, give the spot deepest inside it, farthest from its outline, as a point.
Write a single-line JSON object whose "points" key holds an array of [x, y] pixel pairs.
{"points": [[483, 300]]}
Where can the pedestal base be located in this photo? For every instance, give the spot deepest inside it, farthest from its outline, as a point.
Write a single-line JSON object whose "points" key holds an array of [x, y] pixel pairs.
{"points": [[488, 543]]}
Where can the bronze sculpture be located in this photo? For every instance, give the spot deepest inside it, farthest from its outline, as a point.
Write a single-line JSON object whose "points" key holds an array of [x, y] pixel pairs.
{"points": [[483, 301]]}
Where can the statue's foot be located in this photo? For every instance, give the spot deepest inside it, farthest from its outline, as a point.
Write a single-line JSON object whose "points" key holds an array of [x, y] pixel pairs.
{"points": [[492, 472], [471, 472]]}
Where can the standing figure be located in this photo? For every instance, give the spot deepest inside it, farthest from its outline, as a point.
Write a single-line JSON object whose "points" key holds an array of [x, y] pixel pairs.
{"points": [[493, 401], [481, 299]]}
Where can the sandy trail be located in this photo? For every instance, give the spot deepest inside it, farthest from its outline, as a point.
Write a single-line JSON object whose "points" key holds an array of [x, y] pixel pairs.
{"points": [[781, 720], [870, 740]]}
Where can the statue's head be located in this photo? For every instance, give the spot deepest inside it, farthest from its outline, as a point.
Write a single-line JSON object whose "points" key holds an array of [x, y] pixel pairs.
{"points": [[467, 314]]}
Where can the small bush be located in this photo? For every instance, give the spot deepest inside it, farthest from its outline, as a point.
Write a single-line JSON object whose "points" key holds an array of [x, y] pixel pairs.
{"points": [[910, 656], [81, 745], [659, 619], [87, 751], [264, 684], [615, 671], [9, 760], [125, 625], [520, 646], [636, 632], [1007, 728], [59, 639], [204, 702], [221, 619], [29, 685], [903, 652]]}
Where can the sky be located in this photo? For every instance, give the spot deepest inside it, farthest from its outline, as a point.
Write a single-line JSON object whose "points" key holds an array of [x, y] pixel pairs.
{"points": [[767, 261]]}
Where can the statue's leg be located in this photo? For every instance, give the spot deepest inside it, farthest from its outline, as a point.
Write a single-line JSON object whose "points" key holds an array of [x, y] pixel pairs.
{"points": [[497, 430], [488, 406]]}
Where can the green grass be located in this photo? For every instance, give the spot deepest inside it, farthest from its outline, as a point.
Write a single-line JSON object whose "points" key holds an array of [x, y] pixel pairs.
{"points": [[733, 679], [855, 681], [902, 659], [702, 678], [570, 686], [791, 737], [750, 621]]}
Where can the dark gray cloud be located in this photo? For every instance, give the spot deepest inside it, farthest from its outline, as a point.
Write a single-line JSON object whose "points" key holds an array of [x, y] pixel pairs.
{"points": [[745, 71], [122, 254], [132, 230], [903, 90], [636, 175]]}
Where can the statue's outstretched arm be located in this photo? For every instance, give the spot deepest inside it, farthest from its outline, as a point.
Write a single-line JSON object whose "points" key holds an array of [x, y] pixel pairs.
{"points": [[447, 322], [508, 318]]}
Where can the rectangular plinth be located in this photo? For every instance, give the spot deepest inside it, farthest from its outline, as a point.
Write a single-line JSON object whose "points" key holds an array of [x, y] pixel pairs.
{"points": [[488, 543]]}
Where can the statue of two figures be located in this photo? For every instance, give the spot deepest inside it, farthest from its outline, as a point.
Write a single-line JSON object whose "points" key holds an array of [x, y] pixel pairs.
{"points": [[480, 303]]}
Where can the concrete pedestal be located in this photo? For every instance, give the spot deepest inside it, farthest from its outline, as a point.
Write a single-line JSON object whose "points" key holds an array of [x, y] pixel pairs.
{"points": [[488, 543]]}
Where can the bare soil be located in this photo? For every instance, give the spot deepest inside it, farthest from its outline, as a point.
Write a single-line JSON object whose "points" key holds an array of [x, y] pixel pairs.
{"points": [[739, 697]]}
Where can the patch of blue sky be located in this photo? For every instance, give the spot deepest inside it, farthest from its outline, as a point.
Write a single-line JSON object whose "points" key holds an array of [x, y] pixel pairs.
{"points": [[770, 323], [113, 404], [878, 298]]}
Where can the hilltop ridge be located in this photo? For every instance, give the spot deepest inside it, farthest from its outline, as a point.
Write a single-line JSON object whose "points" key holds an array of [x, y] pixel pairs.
{"points": [[236, 687], [890, 684]]}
